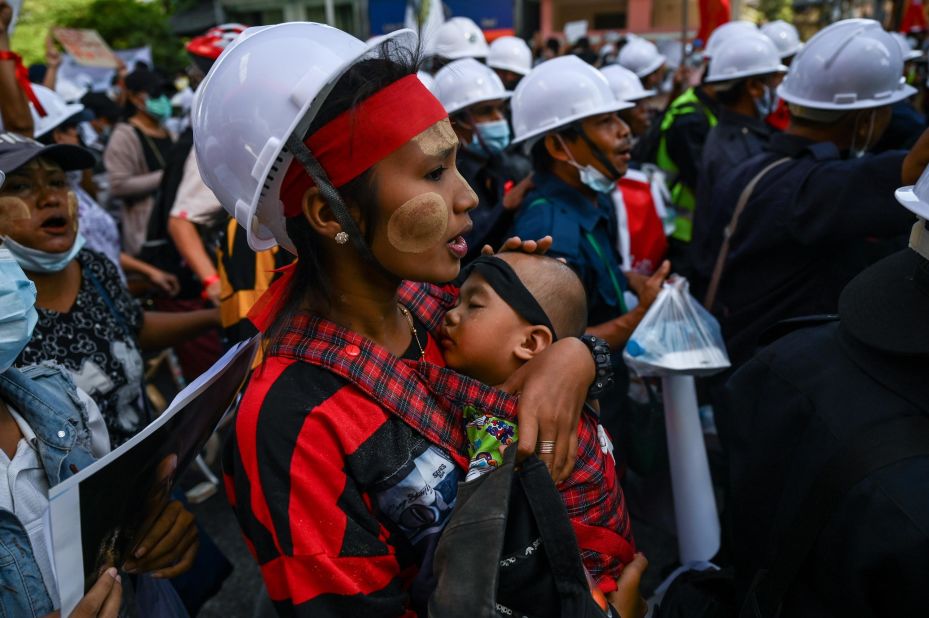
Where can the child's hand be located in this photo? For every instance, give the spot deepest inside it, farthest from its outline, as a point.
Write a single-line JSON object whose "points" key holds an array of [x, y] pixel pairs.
{"points": [[515, 243], [626, 599]]}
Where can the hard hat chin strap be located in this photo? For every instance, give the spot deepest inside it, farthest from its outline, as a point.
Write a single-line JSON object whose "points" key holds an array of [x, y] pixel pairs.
{"points": [[334, 200], [599, 155]]}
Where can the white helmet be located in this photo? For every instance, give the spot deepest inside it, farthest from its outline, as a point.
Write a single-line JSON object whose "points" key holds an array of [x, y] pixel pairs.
{"points": [[427, 80], [916, 197], [908, 52], [56, 110], [784, 36], [743, 56], [510, 53], [557, 93], [465, 82], [641, 57], [265, 87], [724, 31], [459, 37], [851, 64], [625, 84]]}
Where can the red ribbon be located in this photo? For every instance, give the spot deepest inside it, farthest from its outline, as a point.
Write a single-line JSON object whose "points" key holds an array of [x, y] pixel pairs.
{"points": [[22, 76], [355, 140], [269, 304]]}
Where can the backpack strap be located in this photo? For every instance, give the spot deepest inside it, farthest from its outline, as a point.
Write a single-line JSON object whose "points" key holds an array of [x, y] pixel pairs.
{"points": [[871, 449], [730, 229]]}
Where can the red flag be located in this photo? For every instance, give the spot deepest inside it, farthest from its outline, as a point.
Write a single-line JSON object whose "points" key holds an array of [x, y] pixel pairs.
{"points": [[914, 17], [713, 13]]}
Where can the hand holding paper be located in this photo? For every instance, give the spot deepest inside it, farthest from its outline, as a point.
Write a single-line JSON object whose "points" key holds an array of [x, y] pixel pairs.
{"points": [[169, 547]]}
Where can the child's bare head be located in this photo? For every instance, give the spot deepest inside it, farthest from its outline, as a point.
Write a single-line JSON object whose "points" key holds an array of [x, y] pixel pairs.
{"points": [[497, 327]]}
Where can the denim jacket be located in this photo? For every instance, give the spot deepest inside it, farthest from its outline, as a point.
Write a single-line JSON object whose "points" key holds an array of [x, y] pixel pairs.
{"points": [[47, 399]]}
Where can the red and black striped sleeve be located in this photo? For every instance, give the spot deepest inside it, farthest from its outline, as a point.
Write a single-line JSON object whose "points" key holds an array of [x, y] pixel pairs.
{"points": [[302, 505]]}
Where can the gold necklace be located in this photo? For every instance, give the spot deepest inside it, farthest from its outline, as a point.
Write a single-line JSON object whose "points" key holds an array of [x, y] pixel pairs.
{"points": [[409, 319]]}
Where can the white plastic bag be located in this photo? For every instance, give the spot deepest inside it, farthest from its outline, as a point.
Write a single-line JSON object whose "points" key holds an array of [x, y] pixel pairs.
{"points": [[677, 336]]}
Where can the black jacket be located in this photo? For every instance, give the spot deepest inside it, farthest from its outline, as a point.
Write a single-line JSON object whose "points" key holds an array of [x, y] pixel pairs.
{"points": [[490, 177], [801, 237], [793, 404]]}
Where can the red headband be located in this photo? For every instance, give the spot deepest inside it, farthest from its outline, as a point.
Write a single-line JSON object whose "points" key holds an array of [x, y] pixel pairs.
{"points": [[356, 139]]}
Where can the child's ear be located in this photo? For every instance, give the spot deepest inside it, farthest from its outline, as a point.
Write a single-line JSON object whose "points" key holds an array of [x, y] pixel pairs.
{"points": [[535, 339]]}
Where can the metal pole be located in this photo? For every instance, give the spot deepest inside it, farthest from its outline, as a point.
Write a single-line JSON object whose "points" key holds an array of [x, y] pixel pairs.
{"points": [[330, 12], [695, 513]]}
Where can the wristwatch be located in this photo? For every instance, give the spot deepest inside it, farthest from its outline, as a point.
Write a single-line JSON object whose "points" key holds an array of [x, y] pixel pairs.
{"points": [[600, 350]]}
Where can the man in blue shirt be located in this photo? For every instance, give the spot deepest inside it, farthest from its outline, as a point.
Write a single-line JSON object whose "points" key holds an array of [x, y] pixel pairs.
{"points": [[564, 113]]}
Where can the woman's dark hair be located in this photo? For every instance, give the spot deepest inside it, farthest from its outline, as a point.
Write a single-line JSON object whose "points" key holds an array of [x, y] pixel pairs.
{"points": [[360, 82]]}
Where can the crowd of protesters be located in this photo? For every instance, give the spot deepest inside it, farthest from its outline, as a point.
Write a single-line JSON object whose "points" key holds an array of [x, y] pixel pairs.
{"points": [[445, 245]]}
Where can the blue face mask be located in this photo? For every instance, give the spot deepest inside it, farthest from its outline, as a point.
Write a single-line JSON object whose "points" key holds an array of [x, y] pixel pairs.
{"points": [[593, 178], [36, 261], [495, 135], [159, 108], [766, 104], [18, 316]]}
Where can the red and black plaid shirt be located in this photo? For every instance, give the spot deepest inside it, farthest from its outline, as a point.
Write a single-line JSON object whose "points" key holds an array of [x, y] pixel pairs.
{"points": [[315, 430]]}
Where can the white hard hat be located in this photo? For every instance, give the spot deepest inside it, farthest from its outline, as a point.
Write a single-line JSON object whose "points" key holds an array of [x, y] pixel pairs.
{"points": [[266, 86], [908, 52], [510, 53], [557, 93], [851, 64], [465, 82], [427, 80], [784, 36], [724, 31], [70, 90], [916, 197], [56, 110], [743, 56], [625, 84], [641, 57], [459, 37]]}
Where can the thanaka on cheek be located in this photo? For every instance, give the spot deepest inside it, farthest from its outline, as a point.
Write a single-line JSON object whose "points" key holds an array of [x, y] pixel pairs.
{"points": [[419, 224], [72, 209], [12, 209]]}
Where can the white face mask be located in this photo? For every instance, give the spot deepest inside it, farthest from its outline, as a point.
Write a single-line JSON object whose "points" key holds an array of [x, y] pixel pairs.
{"points": [[592, 178], [855, 150], [766, 104]]}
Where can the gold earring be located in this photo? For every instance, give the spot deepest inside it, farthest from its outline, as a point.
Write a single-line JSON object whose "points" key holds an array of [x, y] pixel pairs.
{"points": [[341, 238]]}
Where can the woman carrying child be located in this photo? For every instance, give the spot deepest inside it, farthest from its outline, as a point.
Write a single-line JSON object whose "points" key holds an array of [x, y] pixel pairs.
{"points": [[349, 443]]}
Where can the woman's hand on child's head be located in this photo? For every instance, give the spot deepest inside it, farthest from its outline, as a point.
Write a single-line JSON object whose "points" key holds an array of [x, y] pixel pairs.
{"points": [[552, 389], [626, 599], [515, 243]]}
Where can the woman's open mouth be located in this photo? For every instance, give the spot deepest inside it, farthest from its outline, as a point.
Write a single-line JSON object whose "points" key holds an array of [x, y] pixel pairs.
{"points": [[55, 225], [458, 246]]}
